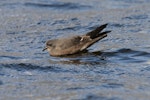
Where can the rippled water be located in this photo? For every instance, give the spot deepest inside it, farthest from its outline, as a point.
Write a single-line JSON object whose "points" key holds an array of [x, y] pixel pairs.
{"points": [[116, 68]]}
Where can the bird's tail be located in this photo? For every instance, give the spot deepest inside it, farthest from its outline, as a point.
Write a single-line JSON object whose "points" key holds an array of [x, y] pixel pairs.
{"points": [[97, 35], [98, 32]]}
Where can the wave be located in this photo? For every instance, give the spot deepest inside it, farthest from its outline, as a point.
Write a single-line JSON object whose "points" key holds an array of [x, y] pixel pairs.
{"points": [[57, 5]]}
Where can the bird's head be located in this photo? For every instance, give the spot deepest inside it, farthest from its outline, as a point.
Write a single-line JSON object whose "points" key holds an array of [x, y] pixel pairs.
{"points": [[49, 45]]}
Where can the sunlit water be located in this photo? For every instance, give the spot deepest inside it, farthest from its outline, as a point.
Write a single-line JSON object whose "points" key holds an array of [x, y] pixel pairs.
{"points": [[116, 68]]}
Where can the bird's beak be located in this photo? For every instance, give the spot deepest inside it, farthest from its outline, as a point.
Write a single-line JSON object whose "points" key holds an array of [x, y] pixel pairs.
{"points": [[44, 49]]}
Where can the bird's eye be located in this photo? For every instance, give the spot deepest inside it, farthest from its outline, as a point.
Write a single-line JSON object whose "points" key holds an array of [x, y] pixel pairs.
{"points": [[49, 44]]}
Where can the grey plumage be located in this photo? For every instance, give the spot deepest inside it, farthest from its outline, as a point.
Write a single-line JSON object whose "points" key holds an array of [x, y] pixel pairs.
{"points": [[75, 44]]}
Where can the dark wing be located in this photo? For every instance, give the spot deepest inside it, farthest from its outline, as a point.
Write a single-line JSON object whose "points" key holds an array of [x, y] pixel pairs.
{"points": [[95, 36], [99, 37], [95, 33]]}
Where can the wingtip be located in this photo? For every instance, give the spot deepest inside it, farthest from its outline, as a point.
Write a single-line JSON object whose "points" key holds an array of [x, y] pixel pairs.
{"points": [[104, 25], [101, 27], [107, 31]]}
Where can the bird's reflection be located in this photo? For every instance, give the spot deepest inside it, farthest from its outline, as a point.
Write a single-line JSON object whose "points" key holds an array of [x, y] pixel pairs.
{"points": [[85, 57]]}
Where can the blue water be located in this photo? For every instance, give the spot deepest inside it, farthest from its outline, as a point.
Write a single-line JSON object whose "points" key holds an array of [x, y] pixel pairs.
{"points": [[115, 68]]}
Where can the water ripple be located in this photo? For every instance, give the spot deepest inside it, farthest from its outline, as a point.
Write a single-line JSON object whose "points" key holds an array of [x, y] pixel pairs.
{"points": [[27, 66], [24, 66], [124, 55], [1, 83], [57, 5], [137, 17], [127, 55], [96, 97]]}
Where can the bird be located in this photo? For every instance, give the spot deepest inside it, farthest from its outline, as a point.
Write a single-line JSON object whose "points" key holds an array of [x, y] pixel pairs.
{"points": [[75, 44]]}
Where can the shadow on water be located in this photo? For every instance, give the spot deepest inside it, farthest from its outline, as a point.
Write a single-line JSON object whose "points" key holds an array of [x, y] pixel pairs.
{"points": [[85, 57]]}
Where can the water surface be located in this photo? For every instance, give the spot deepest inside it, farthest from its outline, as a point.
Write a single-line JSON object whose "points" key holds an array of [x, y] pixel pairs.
{"points": [[116, 68]]}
